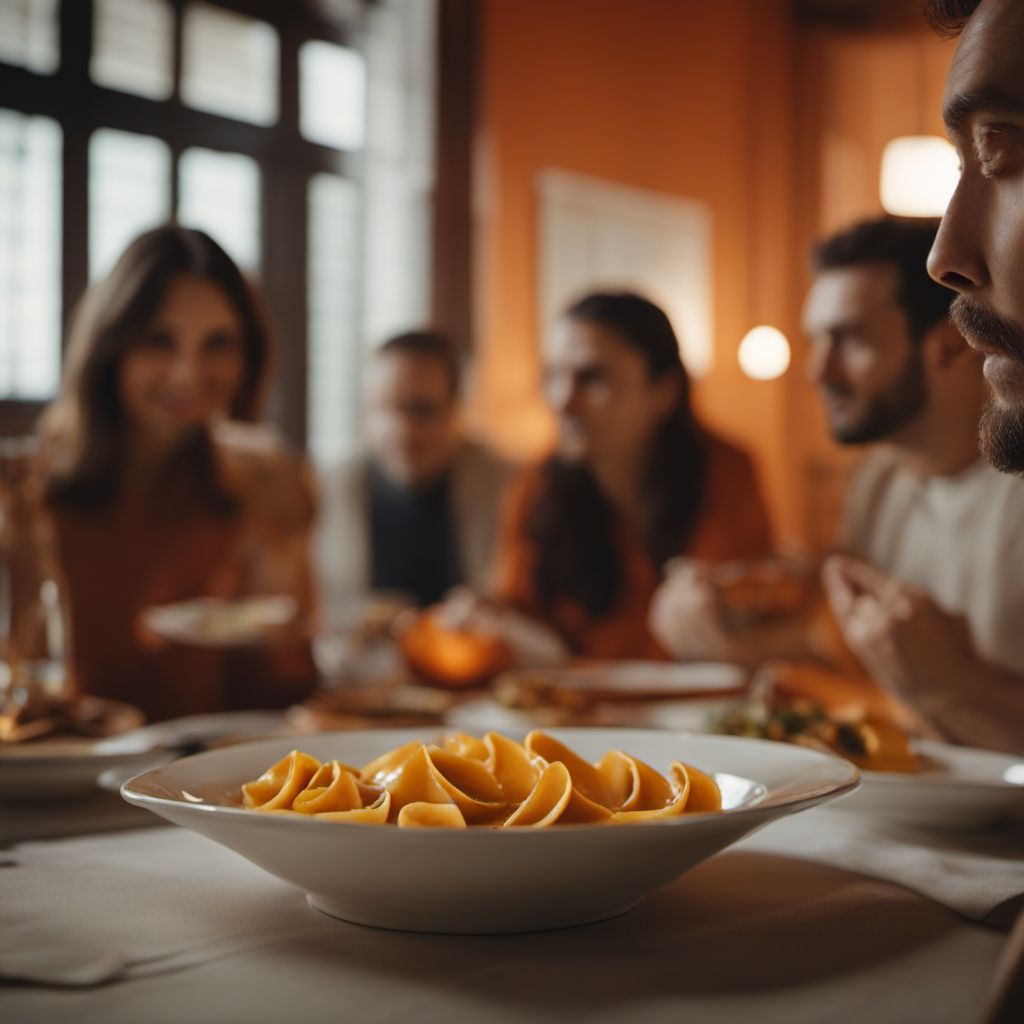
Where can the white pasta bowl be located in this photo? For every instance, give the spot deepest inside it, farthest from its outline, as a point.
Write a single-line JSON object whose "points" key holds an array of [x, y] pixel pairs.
{"points": [[486, 880]]}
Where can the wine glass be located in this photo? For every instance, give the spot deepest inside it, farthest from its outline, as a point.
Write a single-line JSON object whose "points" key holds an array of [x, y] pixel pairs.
{"points": [[33, 645]]}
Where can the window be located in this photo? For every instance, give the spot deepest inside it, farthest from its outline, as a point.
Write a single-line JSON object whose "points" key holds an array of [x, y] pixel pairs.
{"points": [[251, 142], [133, 47], [230, 65], [332, 95], [332, 297], [28, 34], [220, 194], [129, 192], [30, 157]]}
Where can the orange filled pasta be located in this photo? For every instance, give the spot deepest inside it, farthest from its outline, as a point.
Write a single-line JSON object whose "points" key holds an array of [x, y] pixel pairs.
{"points": [[494, 782]]}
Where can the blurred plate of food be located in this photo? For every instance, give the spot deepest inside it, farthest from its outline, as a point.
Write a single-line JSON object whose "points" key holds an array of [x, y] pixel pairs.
{"points": [[32, 720], [194, 733], [217, 622], [367, 707], [872, 743], [690, 715], [589, 682], [95, 743], [906, 778], [952, 787], [54, 747]]}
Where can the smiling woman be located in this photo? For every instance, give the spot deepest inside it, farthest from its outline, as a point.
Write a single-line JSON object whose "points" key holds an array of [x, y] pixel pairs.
{"points": [[189, 364], [155, 496]]}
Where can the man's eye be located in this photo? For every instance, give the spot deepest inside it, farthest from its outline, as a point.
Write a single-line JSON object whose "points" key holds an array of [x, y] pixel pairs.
{"points": [[995, 149], [992, 164]]}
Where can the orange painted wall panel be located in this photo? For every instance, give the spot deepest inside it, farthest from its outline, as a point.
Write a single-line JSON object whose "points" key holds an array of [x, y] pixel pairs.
{"points": [[779, 130]]}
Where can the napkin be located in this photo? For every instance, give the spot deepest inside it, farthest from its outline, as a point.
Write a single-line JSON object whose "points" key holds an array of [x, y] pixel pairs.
{"points": [[127, 909], [977, 873]]}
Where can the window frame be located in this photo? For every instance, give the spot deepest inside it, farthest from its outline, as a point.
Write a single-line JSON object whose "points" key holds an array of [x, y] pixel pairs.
{"points": [[285, 158]]}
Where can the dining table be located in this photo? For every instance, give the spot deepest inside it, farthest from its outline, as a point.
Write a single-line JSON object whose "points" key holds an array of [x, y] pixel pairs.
{"points": [[107, 915]]}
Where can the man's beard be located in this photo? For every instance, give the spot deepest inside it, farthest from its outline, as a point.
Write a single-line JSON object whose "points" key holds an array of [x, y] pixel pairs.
{"points": [[1001, 432], [1001, 436], [890, 410]]}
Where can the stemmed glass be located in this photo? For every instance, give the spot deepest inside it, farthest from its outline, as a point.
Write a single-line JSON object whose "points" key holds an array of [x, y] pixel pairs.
{"points": [[32, 623]]}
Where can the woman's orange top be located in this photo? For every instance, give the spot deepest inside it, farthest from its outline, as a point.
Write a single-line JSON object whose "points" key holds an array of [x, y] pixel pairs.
{"points": [[733, 525], [165, 544]]}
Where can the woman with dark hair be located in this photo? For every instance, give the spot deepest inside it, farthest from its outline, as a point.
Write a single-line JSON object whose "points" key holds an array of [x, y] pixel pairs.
{"points": [[159, 488], [634, 482]]}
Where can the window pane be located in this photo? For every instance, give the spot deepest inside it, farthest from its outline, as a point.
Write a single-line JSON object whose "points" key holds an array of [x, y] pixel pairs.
{"points": [[229, 64], [332, 297], [220, 194], [332, 95], [132, 47], [28, 34], [129, 192], [30, 256]]}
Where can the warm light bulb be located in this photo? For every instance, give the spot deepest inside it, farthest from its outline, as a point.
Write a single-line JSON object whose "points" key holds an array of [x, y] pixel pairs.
{"points": [[764, 353], [919, 175]]}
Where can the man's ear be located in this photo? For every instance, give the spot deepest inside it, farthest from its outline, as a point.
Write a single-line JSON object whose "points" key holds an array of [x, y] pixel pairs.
{"points": [[947, 346]]}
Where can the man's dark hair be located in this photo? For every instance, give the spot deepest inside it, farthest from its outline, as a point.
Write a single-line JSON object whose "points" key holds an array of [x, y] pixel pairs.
{"points": [[431, 345], [904, 244], [948, 17]]}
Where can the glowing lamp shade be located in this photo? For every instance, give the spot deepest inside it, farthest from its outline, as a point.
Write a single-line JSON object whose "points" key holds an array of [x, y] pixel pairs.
{"points": [[919, 175], [764, 353]]}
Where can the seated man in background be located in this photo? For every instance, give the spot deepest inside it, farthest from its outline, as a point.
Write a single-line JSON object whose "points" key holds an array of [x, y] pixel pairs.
{"points": [[418, 510], [927, 521]]}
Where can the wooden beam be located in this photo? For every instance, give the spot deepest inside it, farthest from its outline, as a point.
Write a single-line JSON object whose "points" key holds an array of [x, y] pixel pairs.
{"points": [[452, 242]]}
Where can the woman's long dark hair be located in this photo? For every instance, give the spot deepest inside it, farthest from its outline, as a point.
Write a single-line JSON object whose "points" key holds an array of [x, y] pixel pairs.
{"points": [[85, 428], [573, 523]]}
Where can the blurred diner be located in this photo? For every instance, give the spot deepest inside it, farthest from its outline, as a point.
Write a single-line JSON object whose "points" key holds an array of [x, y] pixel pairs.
{"points": [[416, 511], [635, 481], [159, 485], [927, 521]]}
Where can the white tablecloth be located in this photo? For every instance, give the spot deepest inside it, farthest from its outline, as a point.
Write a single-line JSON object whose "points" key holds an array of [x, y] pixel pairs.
{"points": [[193, 932]]}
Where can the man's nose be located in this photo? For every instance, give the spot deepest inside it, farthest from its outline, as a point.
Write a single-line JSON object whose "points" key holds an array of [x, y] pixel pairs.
{"points": [[560, 392], [957, 258]]}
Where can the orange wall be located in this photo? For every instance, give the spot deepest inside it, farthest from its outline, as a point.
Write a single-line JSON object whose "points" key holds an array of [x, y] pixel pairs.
{"points": [[778, 131], [654, 94], [856, 90]]}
